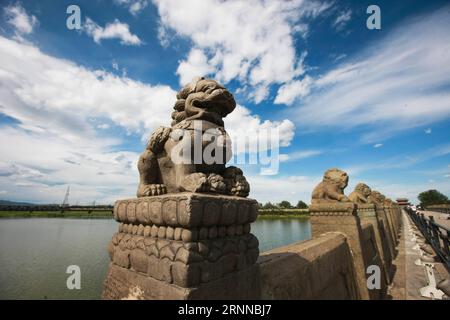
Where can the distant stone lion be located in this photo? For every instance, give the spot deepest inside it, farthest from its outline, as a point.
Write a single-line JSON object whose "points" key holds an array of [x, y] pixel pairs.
{"points": [[376, 198], [361, 194], [331, 189]]}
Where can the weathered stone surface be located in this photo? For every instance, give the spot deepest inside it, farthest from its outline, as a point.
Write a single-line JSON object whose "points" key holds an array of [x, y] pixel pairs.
{"points": [[185, 275], [321, 268], [147, 230], [177, 233], [169, 233], [139, 260], [189, 235], [160, 269], [122, 258]]}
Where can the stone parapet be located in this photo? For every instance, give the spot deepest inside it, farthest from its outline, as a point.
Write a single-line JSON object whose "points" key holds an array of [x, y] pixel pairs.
{"points": [[343, 217], [366, 210]]}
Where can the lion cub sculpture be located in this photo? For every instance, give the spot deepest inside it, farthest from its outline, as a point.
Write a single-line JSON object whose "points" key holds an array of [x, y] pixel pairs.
{"points": [[173, 160], [331, 189]]}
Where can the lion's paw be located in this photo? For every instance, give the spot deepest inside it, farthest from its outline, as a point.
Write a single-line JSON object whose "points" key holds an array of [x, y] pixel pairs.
{"points": [[216, 183], [237, 185], [152, 190]]}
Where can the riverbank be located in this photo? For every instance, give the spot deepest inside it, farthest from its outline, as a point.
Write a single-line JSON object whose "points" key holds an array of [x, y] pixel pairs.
{"points": [[100, 214], [283, 216], [283, 213]]}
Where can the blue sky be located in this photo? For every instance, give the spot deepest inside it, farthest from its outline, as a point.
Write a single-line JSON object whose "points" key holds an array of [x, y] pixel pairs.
{"points": [[77, 106]]}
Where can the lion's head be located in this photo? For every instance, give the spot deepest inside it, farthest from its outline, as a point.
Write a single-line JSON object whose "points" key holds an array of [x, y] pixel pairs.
{"points": [[363, 189], [203, 99], [336, 177]]}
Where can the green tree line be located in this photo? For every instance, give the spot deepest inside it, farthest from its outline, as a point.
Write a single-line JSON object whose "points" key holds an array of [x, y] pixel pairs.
{"points": [[283, 205], [432, 197]]}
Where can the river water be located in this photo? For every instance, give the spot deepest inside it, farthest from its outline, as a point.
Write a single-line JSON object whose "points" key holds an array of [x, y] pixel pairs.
{"points": [[35, 253]]}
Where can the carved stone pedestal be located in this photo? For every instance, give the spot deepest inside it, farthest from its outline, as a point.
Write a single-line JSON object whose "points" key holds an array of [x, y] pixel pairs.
{"points": [[183, 246], [342, 217]]}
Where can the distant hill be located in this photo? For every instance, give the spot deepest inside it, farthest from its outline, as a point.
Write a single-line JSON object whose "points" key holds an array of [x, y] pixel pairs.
{"points": [[13, 203]]}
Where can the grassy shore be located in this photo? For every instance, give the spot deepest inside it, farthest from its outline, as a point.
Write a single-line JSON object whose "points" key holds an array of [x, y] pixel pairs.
{"points": [[57, 214]]}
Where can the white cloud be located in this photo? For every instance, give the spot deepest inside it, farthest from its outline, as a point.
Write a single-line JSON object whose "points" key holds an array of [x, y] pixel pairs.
{"points": [[103, 126], [60, 106], [397, 83], [242, 40], [378, 145], [114, 30], [55, 143], [342, 19], [134, 6], [300, 155], [19, 19], [196, 65], [279, 188], [38, 167], [296, 89], [242, 126]]}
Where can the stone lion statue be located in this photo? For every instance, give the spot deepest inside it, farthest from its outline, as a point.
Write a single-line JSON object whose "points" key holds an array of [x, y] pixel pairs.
{"points": [[361, 194], [376, 198], [331, 189], [174, 161]]}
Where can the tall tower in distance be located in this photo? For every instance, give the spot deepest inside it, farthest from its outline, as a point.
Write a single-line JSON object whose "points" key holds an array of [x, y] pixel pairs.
{"points": [[65, 202]]}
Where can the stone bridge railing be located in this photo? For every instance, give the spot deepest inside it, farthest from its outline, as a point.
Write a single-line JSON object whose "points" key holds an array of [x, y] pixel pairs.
{"points": [[196, 246], [437, 235]]}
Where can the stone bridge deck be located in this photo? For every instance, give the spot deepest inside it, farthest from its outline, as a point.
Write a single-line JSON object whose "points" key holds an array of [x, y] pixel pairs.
{"points": [[409, 278]]}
